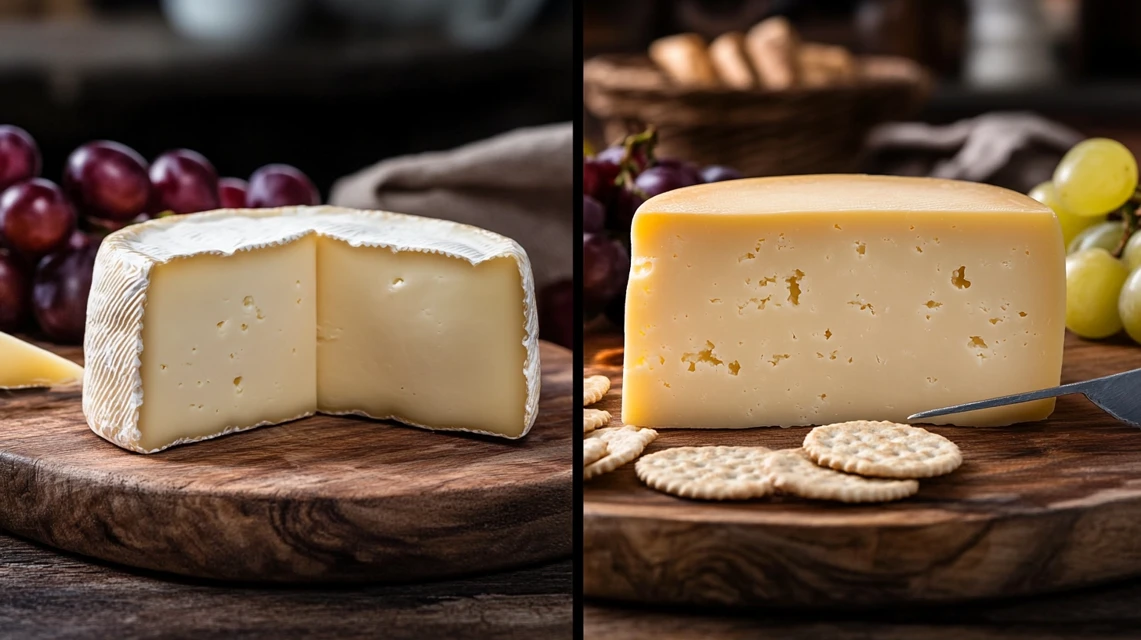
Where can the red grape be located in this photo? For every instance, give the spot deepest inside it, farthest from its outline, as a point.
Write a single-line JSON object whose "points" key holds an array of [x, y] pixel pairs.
{"points": [[107, 180], [657, 180], [556, 313], [280, 185], [615, 155], [598, 179], [593, 215], [184, 181], [77, 240], [622, 210], [605, 270], [35, 217], [718, 173], [688, 170], [60, 289], [14, 293], [19, 156], [232, 193]]}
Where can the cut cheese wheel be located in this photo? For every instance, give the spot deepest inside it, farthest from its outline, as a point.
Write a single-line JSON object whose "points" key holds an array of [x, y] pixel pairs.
{"points": [[24, 365], [817, 299], [203, 325]]}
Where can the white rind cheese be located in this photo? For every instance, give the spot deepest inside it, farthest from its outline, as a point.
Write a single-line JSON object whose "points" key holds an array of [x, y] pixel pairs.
{"points": [[207, 324]]}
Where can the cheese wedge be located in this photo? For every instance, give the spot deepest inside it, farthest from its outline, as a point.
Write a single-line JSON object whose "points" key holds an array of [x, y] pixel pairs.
{"points": [[203, 325], [24, 365], [817, 299]]}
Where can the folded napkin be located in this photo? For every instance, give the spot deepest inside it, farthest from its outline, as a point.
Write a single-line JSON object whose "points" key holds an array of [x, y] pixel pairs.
{"points": [[519, 184], [1013, 150]]}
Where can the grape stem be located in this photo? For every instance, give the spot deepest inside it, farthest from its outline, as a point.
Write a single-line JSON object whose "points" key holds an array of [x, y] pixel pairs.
{"points": [[1129, 220], [628, 170]]}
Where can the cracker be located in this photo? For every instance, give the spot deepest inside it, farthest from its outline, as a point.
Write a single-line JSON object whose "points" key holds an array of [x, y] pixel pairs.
{"points": [[593, 419], [708, 473], [882, 450], [593, 388], [623, 444], [791, 471], [593, 450]]}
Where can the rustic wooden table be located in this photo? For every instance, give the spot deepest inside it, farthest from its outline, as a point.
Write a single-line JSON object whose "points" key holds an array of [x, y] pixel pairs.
{"points": [[1106, 611], [46, 594]]}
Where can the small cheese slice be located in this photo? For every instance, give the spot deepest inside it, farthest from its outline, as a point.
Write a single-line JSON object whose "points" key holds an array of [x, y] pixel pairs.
{"points": [[24, 365], [817, 299], [203, 325]]}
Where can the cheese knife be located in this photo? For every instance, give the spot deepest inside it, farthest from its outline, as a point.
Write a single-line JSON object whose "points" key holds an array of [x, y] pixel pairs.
{"points": [[1118, 394]]}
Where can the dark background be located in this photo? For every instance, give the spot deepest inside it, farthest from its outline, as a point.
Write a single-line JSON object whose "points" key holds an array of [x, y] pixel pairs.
{"points": [[332, 96], [1096, 44]]}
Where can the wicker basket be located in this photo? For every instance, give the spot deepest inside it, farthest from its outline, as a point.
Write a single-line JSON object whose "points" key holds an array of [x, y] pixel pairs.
{"points": [[761, 133]]}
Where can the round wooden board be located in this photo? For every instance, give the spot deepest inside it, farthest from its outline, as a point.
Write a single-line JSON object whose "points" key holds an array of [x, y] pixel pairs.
{"points": [[319, 499], [1035, 507]]}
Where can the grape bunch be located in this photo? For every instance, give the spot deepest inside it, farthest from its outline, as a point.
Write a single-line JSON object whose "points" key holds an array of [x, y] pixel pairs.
{"points": [[1094, 194], [50, 233], [615, 182]]}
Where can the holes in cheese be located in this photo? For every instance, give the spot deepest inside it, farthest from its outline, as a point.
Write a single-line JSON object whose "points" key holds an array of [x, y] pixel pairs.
{"points": [[897, 276], [423, 321]]}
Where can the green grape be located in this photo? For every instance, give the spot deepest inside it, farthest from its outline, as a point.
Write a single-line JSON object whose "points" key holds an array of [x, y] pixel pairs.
{"points": [[1132, 255], [1129, 305], [1093, 286], [1072, 225], [1106, 235], [1095, 177]]}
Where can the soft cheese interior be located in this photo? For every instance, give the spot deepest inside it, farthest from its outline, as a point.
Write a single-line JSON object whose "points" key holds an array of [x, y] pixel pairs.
{"points": [[229, 342], [208, 324], [812, 300], [422, 337]]}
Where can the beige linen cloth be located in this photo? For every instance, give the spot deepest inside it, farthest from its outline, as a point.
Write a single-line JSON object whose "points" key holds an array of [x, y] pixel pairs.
{"points": [[519, 184]]}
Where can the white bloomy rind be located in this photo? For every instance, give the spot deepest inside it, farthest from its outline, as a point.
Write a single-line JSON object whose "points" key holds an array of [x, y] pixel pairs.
{"points": [[113, 345]]}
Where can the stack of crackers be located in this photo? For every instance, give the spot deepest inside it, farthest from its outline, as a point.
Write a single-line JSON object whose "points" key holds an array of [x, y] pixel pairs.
{"points": [[770, 56], [847, 462], [604, 448]]}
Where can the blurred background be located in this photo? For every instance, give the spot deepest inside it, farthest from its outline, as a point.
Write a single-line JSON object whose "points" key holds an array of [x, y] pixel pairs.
{"points": [[1072, 61], [328, 86]]}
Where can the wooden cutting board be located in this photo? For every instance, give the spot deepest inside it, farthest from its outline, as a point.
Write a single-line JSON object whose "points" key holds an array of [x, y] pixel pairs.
{"points": [[319, 499], [1034, 508]]}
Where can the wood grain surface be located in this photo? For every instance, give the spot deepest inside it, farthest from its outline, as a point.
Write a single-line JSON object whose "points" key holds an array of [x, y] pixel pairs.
{"points": [[319, 499], [1097, 613], [1035, 508], [50, 595]]}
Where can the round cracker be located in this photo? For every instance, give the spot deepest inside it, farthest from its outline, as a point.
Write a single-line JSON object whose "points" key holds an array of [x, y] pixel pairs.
{"points": [[593, 450], [623, 444], [593, 388], [593, 419], [882, 450], [791, 471], [707, 473]]}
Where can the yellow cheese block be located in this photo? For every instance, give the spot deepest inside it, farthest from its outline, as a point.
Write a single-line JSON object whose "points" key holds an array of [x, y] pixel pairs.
{"points": [[816, 299], [24, 365]]}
